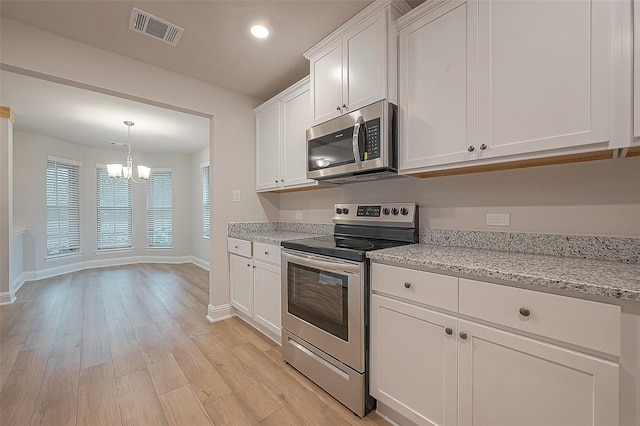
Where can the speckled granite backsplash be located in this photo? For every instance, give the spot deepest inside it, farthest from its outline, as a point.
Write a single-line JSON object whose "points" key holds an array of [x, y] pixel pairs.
{"points": [[306, 228], [619, 249]]}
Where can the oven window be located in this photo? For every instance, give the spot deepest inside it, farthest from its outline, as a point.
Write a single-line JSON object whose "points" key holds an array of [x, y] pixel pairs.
{"points": [[319, 298]]}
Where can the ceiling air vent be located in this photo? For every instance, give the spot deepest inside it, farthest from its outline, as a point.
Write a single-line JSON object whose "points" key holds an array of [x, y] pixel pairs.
{"points": [[155, 27]]}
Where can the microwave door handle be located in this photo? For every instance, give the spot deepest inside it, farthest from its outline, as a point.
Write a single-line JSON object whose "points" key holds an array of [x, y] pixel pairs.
{"points": [[355, 141]]}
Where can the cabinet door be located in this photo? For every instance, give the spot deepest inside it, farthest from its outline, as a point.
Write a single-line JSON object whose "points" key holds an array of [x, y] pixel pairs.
{"points": [[438, 89], [365, 63], [326, 83], [268, 148], [544, 75], [296, 116], [413, 361], [506, 379], [266, 283], [241, 278]]}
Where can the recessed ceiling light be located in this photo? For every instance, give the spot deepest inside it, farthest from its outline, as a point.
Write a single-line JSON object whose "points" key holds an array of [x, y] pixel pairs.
{"points": [[260, 31]]}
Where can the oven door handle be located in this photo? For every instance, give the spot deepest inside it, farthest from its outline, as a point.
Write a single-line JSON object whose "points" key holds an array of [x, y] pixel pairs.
{"points": [[336, 266]]}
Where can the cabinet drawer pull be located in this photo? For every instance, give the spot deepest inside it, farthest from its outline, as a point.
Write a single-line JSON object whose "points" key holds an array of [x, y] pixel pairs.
{"points": [[449, 331], [266, 253], [338, 108], [483, 146], [463, 335], [407, 284], [525, 312], [235, 246], [471, 148]]}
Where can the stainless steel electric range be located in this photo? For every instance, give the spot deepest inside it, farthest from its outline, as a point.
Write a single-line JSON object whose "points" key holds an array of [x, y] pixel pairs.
{"points": [[326, 293]]}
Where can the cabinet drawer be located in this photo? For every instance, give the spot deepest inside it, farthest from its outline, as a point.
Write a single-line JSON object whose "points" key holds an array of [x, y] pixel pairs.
{"points": [[239, 247], [416, 286], [267, 253], [579, 322]]}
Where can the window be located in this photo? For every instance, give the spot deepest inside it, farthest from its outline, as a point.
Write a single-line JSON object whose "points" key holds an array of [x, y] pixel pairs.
{"points": [[206, 205], [63, 207], [159, 215], [114, 211]]}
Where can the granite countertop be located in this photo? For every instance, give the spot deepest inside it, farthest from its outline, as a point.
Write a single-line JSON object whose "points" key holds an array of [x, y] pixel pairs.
{"points": [[270, 236], [599, 277]]}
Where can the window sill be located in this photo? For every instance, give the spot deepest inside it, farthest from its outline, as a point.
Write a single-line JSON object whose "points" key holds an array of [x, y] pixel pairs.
{"points": [[204, 237], [58, 257], [159, 248], [117, 250]]}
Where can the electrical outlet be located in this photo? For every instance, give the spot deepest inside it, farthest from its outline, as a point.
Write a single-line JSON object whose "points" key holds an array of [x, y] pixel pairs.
{"points": [[503, 219], [236, 195], [298, 215]]}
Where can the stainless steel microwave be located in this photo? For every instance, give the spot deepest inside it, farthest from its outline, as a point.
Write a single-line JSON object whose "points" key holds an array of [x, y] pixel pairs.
{"points": [[355, 147]]}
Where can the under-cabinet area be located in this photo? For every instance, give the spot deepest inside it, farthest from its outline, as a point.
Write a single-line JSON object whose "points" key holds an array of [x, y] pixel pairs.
{"points": [[481, 353]]}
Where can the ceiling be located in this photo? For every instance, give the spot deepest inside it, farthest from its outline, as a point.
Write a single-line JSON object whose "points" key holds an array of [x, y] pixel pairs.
{"points": [[216, 47]]}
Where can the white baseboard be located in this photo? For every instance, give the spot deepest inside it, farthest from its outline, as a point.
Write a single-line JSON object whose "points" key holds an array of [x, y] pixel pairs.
{"points": [[199, 262], [6, 298], [219, 313], [17, 284], [103, 263]]}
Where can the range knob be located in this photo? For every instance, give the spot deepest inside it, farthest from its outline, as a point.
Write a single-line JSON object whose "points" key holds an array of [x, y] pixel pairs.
{"points": [[345, 211], [404, 211], [338, 210], [386, 211], [394, 211]]}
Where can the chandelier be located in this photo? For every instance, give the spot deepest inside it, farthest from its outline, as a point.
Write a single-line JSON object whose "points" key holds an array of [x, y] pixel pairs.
{"points": [[118, 170]]}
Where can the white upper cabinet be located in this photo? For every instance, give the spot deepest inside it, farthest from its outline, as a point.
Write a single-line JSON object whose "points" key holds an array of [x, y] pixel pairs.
{"points": [[544, 75], [356, 64], [438, 90], [281, 126], [490, 81], [268, 147]]}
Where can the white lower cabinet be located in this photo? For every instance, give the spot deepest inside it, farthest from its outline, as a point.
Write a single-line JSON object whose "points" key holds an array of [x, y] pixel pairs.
{"points": [[241, 277], [507, 379], [266, 287], [254, 275], [414, 361], [438, 368]]}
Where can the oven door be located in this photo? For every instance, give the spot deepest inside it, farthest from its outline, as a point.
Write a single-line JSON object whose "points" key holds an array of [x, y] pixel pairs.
{"points": [[323, 303]]}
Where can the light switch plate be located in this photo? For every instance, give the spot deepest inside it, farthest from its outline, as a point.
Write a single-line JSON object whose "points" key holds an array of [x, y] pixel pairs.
{"points": [[236, 195]]}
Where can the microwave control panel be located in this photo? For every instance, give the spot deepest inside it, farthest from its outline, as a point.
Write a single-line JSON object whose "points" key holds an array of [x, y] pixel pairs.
{"points": [[372, 143]]}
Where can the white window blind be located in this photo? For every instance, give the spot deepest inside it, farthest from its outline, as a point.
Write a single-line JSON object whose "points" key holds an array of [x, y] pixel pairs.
{"points": [[114, 211], [63, 208], [206, 205], [159, 209]]}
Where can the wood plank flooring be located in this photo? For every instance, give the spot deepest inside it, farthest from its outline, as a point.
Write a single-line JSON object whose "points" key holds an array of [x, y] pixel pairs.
{"points": [[130, 345]]}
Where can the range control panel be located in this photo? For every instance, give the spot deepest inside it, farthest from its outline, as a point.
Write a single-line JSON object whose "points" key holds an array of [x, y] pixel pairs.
{"points": [[371, 213]]}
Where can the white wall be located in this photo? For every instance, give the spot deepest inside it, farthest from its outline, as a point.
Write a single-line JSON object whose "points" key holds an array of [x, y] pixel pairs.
{"points": [[592, 198], [34, 52], [30, 159], [200, 247]]}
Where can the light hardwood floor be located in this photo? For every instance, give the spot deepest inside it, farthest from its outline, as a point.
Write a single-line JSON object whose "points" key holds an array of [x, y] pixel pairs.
{"points": [[131, 346]]}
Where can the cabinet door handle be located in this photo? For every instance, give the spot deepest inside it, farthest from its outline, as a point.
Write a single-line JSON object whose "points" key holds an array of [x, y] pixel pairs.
{"points": [[483, 146], [471, 148], [338, 108], [236, 246], [463, 335], [407, 284], [248, 265], [344, 106], [266, 253], [449, 331], [525, 312]]}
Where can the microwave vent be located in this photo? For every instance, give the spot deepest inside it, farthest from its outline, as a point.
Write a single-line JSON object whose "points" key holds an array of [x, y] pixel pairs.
{"points": [[155, 27]]}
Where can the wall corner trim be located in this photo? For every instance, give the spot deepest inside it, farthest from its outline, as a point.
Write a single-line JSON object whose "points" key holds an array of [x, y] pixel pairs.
{"points": [[7, 298], [219, 313]]}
